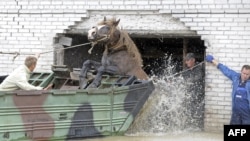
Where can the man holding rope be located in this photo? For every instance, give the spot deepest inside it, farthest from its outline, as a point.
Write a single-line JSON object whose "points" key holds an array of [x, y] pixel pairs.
{"points": [[18, 79], [194, 102], [240, 91]]}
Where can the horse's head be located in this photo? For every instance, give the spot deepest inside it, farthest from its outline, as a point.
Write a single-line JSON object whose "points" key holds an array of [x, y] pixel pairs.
{"points": [[105, 32]]}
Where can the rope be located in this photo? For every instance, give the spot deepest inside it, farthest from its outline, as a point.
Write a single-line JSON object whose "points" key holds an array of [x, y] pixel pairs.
{"points": [[186, 70], [18, 53], [70, 47]]}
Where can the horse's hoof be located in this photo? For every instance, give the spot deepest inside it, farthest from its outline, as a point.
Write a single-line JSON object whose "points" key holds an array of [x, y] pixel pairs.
{"points": [[83, 86], [83, 83], [93, 85]]}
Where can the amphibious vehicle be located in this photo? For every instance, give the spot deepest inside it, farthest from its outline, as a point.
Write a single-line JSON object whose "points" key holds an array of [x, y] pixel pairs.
{"points": [[66, 112]]}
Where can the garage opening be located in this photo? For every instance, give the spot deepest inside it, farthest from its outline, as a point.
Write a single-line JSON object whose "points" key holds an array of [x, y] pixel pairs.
{"points": [[155, 51]]}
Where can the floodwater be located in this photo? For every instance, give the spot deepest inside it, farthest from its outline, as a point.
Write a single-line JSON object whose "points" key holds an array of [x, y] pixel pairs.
{"points": [[196, 136], [164, 115]]}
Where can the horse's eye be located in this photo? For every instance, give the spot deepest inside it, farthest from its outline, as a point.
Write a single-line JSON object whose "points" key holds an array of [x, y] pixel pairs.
{"points": [[108, 28]]}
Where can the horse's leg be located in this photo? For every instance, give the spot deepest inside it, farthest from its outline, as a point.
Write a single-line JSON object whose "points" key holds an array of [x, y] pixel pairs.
{"points": [[103, 70], [83, 74]]}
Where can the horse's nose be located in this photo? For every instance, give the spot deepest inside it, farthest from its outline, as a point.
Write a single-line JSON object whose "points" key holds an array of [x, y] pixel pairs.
{"points": [[92, 33]]}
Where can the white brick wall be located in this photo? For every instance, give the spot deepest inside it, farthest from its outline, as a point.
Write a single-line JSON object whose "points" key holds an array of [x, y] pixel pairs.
{"points": [[28, 26]]}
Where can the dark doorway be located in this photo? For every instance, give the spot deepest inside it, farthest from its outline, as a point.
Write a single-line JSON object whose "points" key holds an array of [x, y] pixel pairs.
{"points": [[154, 51]]}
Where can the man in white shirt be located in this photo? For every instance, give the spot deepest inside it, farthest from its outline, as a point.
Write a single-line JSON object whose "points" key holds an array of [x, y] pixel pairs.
{"points": [[18, 79]]}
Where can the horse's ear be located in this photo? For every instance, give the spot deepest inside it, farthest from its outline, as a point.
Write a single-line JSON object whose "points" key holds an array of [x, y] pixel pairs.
{"points": [[117, 22]]}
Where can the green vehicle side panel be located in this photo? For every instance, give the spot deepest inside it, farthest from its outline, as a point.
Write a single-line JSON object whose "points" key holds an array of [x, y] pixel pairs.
{"points": [[67, 114]]}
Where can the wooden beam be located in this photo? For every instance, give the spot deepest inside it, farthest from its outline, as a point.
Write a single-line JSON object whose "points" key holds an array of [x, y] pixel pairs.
{"points": [[185, 46], [65, 41]]}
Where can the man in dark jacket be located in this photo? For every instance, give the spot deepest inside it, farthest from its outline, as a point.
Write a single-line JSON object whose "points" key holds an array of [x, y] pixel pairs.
{"points": [[240, 93], [193, 74]]}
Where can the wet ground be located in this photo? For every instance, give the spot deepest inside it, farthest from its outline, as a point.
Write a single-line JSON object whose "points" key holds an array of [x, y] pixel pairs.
{"points": [[197, 136]]}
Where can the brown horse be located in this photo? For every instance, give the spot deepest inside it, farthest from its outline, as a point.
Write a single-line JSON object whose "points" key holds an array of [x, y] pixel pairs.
{"points": [[121, 56]]}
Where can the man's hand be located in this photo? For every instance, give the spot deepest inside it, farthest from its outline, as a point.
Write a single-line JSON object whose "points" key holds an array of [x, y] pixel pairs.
{"points": [[48, 87], [37, 55], [209, 58]]}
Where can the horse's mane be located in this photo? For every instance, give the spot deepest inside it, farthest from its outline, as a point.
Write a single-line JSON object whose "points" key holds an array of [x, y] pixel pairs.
{"points": [[131, 47], [109, 22], [124, 42]]}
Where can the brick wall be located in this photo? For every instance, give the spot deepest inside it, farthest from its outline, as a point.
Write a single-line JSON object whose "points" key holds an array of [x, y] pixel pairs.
{"points": [[29, 26]]}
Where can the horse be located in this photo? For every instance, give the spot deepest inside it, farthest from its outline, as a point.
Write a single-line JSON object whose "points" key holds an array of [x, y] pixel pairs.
{"points": [[120, 57]]}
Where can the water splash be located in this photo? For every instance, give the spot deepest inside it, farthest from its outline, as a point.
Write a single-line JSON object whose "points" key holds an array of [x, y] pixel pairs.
{"points": [[165, 110]]}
